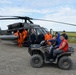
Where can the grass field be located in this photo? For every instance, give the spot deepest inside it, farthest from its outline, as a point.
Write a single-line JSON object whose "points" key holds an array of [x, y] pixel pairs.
{"points": [[72, 36]]}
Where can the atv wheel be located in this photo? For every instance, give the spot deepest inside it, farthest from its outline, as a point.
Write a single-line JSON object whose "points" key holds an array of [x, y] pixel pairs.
{"points": [[36, 61], [65, 63]]}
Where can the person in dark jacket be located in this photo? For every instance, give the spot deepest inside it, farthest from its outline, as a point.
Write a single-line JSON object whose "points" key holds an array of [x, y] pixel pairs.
{"points": [[40, 37], [33, 38], [65, 35], [57, 34]]}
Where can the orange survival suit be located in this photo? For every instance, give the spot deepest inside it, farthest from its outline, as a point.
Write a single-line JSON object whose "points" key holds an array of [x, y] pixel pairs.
{"points": [[24, 35], [48, 36], [19, 39]]}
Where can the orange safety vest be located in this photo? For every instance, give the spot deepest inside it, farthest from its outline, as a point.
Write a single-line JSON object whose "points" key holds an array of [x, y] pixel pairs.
{"points": [[48, 37]]}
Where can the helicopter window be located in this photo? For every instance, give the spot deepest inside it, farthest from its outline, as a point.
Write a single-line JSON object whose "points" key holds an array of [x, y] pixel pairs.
{"points": [[39, 31], [45, 30]]}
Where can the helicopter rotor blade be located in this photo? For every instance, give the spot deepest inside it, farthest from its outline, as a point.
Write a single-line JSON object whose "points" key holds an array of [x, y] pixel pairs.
{"points": [[54, 21], [15, 18], [9, 18], [19, 17], [28, 18]]}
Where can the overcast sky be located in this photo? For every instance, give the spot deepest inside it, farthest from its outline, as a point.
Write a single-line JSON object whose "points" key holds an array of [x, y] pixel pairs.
{"points": [[59, 10]]}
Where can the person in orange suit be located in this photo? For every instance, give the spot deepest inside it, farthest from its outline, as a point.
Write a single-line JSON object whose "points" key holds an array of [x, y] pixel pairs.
{"points": [[48, 36], [24, 34], [20, 39]]}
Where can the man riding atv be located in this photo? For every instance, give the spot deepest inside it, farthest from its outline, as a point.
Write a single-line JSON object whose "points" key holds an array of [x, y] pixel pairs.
{"points": [[39, 54], [61, 49]]}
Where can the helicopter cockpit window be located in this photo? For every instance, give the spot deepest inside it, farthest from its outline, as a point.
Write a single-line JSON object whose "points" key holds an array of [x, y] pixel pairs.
{"points": [[45, 30], [39, 31]]}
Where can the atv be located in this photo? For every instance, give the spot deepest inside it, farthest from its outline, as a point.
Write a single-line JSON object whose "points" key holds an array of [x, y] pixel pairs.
{"points": [[39, 54]]}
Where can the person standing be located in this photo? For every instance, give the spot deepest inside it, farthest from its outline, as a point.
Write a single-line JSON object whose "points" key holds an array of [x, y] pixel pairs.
{"points": [[24, 34], [40, 37], [33, 38], [65, 35], [20, 39]]}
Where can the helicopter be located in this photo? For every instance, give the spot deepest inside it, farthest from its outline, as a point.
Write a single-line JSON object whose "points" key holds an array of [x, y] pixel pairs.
{"points": [[27, 25]]}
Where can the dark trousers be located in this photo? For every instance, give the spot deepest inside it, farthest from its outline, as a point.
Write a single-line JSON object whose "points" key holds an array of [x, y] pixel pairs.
{"points": [[57, 52], [50, 55]]}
